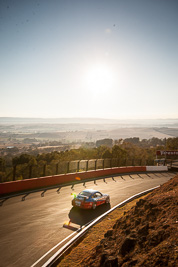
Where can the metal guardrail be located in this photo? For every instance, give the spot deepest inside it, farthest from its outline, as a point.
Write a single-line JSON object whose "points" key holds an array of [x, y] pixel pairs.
{"points": [[27, 171]]}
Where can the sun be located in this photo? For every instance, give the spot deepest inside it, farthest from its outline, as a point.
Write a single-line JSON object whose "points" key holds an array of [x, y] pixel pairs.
{"points": [[99, 78]]}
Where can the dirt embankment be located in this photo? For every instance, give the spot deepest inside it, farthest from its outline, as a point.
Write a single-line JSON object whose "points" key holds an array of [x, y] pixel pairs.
{"points": [[145, 236], [142, 233]]}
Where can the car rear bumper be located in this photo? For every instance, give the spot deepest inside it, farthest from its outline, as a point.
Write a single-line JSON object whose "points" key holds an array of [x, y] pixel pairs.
{"points": [[82, 205]]}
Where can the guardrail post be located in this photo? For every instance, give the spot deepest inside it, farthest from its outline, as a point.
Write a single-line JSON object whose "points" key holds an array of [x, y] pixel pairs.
{"points": [[57, 166], [95, 164], [68, 165], [14, 172], [44, 170], [78, 166], [86, 165]]}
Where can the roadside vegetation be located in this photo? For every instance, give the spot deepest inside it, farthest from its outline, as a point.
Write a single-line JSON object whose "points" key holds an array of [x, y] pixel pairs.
{"points": [[103, 154]]}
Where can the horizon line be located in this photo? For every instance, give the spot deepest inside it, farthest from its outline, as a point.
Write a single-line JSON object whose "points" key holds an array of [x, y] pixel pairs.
{"points": [[89, 118]]}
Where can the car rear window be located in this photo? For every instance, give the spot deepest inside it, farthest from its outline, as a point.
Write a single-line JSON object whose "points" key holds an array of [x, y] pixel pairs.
{"points": [[83, 193]]}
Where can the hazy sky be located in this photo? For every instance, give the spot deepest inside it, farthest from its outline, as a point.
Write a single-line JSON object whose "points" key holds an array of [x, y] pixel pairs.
{"points": [[89, 58]]}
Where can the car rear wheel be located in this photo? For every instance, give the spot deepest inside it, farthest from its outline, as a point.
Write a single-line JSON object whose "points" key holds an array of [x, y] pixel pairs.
{"points": [[94, 206]]}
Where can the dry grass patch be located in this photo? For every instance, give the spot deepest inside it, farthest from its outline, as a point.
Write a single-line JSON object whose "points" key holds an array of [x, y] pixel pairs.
{"points": [[92, 238]]}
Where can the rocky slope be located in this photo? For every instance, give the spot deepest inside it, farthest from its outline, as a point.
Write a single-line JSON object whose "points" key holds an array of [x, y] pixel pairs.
{"points": [[145, 236]]}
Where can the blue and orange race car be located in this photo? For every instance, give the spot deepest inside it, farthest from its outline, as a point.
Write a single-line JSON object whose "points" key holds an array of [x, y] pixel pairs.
{"points": [[90, 199]]}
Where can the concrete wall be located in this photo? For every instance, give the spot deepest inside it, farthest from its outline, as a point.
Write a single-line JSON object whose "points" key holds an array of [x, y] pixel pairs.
{"points": [[34, 183], [156, 168]]}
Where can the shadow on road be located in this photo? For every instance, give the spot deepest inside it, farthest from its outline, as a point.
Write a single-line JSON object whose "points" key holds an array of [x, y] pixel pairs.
{"points": [[2, 201], [82, 217]]}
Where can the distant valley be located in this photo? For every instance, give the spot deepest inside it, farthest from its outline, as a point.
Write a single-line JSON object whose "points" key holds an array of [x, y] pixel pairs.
{"points": [[85, 130]]}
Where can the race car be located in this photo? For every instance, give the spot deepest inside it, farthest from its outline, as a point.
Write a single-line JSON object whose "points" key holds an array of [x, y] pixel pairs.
{"points": [[90, 199]]}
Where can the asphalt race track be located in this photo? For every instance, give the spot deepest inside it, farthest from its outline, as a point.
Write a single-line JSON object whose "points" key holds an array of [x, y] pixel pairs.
{"points": [[32, 224]]}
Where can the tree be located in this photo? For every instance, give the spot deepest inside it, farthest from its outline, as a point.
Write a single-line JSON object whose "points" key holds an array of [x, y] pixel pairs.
{"points": [[2, 164], [118, 152], [100, 151], [133, 140], [23, 158], [107, 154], [106, 142], [172, 143]]}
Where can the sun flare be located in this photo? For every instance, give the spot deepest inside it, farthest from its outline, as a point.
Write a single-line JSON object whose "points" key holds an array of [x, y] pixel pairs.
{"points": [[99, 78]]}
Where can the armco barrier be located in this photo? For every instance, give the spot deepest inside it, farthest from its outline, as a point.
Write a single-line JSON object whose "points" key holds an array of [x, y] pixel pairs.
{"points": [[17, 186]]}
